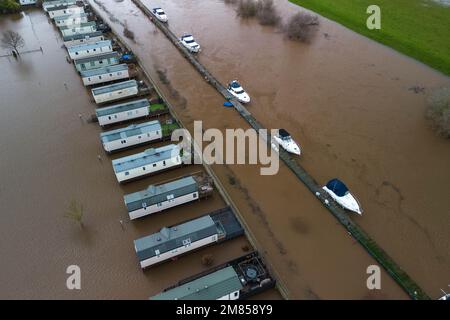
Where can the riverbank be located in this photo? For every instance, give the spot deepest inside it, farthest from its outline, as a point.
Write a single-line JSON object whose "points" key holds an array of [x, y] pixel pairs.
{"points": [[416, 28]]}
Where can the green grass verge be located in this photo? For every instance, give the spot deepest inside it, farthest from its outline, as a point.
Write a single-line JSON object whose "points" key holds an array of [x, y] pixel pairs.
{"points": [[168, 128], [417, 28], [157, 107]]}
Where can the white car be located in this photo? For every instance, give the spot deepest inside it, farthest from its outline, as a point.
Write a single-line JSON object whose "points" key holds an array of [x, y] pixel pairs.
{"points": [[340, 193], [236, 90], [188, 41], [159, 14], [284, 139]]}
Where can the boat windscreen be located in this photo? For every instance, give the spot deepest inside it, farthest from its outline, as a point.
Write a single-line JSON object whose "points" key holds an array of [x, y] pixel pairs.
{"points": [[283, 133], [235, 84], [338, 187]]}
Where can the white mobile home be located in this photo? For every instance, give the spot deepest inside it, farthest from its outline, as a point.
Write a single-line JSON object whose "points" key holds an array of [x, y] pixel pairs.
{"points": [[123, 112], [148, 162], [90, 49], [177, 240], [222, 284], [64, 10], [27, 2], [71, 19], [131, 136], [98, 61], [77, 39], [57, 3], [115, 91], [82, 28], [106, 74], [161, 197]]}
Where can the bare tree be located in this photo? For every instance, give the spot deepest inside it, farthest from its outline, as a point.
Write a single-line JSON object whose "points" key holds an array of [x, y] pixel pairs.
{"points": [[12, 40], [267, 13], [75, 212], [439, 111], [301, 26], [247, 8]]}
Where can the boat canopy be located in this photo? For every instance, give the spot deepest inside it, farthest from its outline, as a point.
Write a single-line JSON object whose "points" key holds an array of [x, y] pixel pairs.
{"points": [[234, 84], [283, 133], [338, 187]]}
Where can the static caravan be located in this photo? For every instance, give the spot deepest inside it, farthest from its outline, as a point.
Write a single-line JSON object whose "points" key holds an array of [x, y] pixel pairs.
{"points": [[115, 91], [239, 278], [164, 196], [99, 61], [177, 240], [78, 39], [223, 284], [170, 242], [106, 74], [148, 162], [27, 2], [71, 19], [57, 3], [81, 28], [123, 112], [89, 49], [64, 10], [131, 136]]}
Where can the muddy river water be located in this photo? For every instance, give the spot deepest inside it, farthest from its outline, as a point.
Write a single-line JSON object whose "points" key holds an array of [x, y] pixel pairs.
{"points": [[345, 98]]}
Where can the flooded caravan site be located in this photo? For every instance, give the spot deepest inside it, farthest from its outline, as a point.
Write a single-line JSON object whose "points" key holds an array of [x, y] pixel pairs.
{"points": [[333, 96], [49, 157]]}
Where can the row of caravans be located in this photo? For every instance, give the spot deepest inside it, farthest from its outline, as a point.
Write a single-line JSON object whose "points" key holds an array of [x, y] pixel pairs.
{"points": [[96, 63]]}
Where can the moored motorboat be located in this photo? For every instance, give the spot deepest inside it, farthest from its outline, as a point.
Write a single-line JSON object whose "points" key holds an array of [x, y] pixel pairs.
{"points": [[341, 194], [159, 14], [284, 139], [188, 41], [236, 90]]}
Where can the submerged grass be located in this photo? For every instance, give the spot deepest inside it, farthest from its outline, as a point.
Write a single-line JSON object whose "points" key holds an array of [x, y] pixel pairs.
{"points": [[417, 28]]}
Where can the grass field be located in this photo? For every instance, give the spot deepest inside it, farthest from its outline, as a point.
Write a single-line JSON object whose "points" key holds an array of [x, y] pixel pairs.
{"points": [[417, 28]]}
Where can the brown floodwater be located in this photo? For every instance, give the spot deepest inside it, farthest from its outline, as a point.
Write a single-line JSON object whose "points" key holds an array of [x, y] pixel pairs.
{"points": [[348, 101], [48, 158]]}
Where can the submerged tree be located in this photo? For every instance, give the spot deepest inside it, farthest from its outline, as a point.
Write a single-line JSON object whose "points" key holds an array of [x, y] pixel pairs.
{"points": [[301, 26], [439, 111], [12, 40], [75, 212]]}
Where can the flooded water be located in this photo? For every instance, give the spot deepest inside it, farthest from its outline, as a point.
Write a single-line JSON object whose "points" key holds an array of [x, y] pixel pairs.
{"points": [[48, 158], [347, 100]]}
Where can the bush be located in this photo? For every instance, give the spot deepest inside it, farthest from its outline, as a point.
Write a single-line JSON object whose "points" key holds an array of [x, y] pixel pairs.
{"points": [[247, 8], [9, 6], [301, 27], [267, 14], [438, 111], [207, 260]]}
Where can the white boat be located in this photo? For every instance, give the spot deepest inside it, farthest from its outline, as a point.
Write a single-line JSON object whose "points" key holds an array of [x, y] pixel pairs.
{"points": [[188, 41], [340, 193], [159, 14], [446, 296], [284, 139], [236, 90]]}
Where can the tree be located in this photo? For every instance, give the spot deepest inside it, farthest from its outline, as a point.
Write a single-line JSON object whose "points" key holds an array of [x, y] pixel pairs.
{"points": [[9, 6], [438, 111], [301, 26], [75, 212], [12, 40]]}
